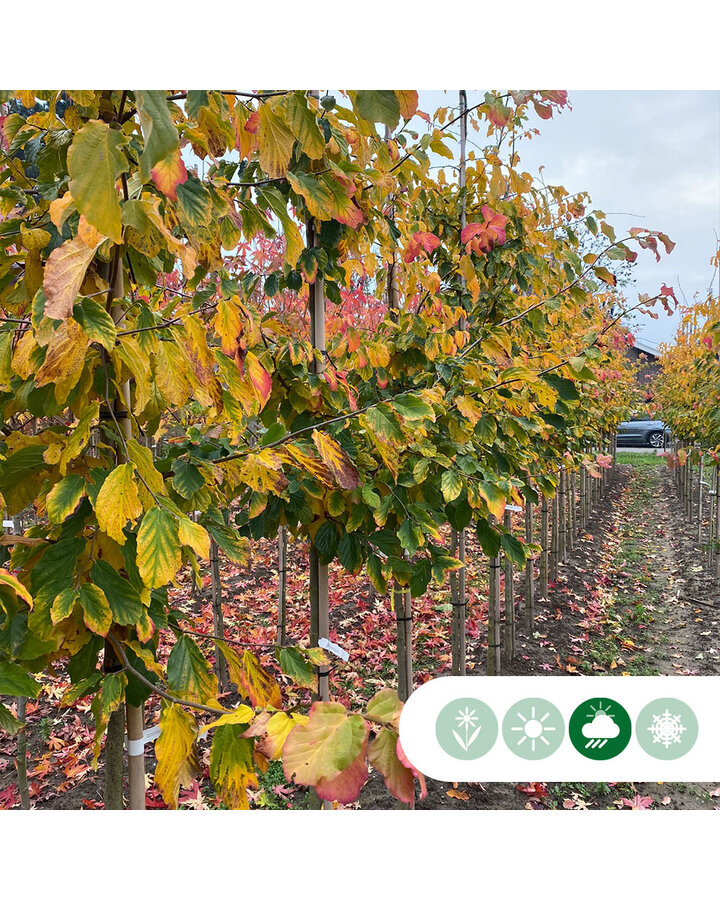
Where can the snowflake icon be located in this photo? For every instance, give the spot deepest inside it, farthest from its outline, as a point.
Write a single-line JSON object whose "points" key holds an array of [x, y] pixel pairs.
{"points": [[667, 729]]}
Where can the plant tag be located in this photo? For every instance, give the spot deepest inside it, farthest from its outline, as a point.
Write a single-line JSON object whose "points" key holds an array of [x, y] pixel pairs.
{"points": [[136, 748], [334, 649]]}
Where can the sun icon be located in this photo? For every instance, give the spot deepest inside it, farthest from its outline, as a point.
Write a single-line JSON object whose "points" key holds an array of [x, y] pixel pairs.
{"points": [[533, 728]]}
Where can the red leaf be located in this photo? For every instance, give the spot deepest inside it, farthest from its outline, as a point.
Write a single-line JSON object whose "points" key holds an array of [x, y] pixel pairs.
{"points": [[419, 242]]}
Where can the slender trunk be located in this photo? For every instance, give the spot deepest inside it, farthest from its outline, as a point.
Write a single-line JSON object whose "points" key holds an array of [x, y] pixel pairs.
{"points": [[403, 686], [554, 539], [562, 517], [544, 548], [700, 498], [457, 545], [494, 643], [319, 596], [509, 630], [282, 585], [529, 603], [572, 512], [21, 763], [217, 613]]}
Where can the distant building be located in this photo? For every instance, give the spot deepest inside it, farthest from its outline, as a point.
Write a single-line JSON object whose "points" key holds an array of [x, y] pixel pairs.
{"points": [[647, 353]]}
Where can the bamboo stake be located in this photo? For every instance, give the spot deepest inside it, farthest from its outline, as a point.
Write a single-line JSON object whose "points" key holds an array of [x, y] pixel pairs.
{"points": [[509, 629], [529, 603]]}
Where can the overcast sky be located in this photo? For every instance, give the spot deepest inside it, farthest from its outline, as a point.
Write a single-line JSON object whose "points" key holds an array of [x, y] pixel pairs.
{"points": [[649, 158]]}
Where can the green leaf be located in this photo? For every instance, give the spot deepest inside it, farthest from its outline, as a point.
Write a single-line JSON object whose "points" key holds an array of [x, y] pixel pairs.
{"points": [[384, 425], [303, 124], [326, 540], [187, 479], [123, 598], [421, 576], [8, 723], [412, 409], [232, 768], [96, 609], [56, 568], [63, 605], [459, 513], [375, 574], [161, 137], [489, 538], [297, 666], [350, 552], [189, 674], [451, 484], [194, 205], [514, 549], [565, 388], [15, 681], [410, 536], [378, 106], [96, 322], [64, 498], [158, 555], [95, 162]]}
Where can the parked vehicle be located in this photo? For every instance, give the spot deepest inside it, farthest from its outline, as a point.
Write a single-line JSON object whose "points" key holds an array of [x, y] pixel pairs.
{"points": [[643, 431]]}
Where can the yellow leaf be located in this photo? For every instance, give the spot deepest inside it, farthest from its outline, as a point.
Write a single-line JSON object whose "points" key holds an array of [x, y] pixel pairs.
{"points": [[232, 768], [227, 325], [158, 547], [96, 609], [337, 460], [64, 359], [64, 274], [262, 471], [252, 680], [117, 502], [239, 716], [276, 141], [177, 762], [194, 536], [10, 585], [95, 161]]}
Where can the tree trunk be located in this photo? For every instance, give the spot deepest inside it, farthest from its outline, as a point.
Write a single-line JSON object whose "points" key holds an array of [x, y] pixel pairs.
{"points": [[494, 643], [282, 585], [217, 613], [544, 548]]}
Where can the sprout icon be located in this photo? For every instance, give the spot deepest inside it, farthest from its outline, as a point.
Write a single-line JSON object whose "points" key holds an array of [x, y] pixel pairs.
{"points": [[468, 720]]}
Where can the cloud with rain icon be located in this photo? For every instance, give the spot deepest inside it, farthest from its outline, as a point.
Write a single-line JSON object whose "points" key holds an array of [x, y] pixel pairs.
{"points": [[600, 729]]}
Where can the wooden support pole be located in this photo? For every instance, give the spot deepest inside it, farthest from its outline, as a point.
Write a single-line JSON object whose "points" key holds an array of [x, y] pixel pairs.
{"points": [[554, 542], [494, 623], [529, 602], [509, 625], [282, 585], [544, 548], [572, 512], [562, 517]]}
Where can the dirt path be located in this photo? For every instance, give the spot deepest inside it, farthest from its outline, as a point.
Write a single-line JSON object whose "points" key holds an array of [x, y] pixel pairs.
{"points": [[633, 599]]}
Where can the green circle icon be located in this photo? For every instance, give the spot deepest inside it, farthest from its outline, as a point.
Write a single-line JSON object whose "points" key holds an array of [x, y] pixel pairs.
{"points": [[466, 728], [533, 728], [600, 728], [666, 728]]}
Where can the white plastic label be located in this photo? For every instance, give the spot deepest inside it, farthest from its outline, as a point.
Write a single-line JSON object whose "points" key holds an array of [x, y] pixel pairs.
{"points": [[334, 649], [137, 747], [559, 728]]}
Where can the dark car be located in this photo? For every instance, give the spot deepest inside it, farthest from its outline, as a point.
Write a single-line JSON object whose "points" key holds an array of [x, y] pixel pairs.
{"points": [[642, 431]]}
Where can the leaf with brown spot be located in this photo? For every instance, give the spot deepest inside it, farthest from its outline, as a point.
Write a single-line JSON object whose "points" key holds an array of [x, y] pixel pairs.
{"points": [[337, 460], [64, 273]]}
